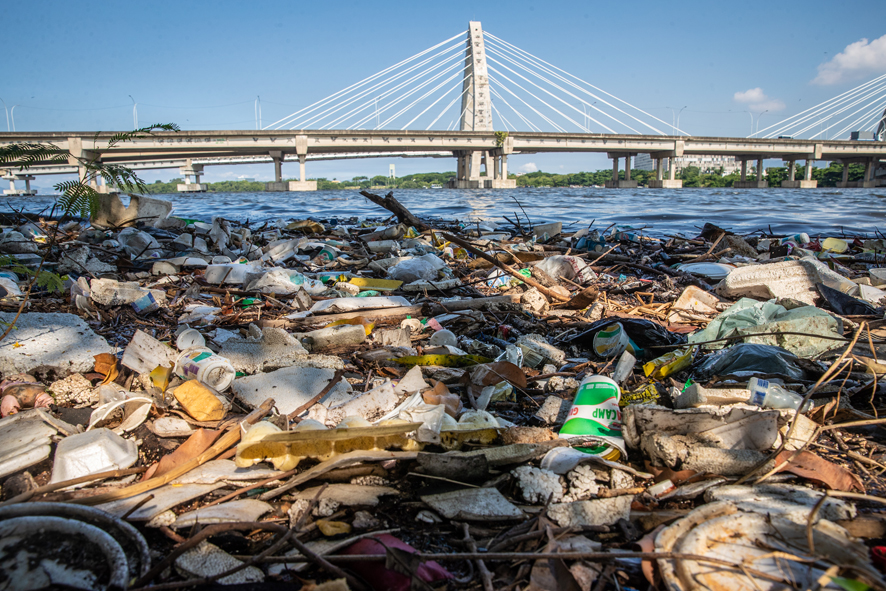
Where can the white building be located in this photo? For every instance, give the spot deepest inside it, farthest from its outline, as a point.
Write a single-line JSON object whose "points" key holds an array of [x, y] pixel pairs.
{"points": [[705, 163]]}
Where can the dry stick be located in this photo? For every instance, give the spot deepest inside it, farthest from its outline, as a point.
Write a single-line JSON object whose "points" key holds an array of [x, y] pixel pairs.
{"points": [[223, 443], [481, 566], [48, 488], [136, 507], [506, 268], [332, 383]]}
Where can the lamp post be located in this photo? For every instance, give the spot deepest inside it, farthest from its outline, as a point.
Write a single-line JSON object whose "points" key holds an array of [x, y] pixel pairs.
{"points": [[673, 120], [678, 117], [12, 116], [7, 113], [258, 112], [134, 113], [757, 130]]}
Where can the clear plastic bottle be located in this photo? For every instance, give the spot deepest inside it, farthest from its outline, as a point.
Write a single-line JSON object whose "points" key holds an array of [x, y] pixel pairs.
{"points": [[765, 393]]}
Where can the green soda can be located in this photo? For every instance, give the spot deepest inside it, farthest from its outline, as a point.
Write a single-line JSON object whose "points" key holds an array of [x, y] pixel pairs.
{"points": [[595, 418]]}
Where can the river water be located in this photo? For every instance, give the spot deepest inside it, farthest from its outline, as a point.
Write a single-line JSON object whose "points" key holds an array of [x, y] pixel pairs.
{"points": [[661, 211]]}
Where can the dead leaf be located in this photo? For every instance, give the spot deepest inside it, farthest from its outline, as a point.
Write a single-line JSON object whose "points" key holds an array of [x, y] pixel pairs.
{"points": [[195, 445], [106, 364], [808, 465]]}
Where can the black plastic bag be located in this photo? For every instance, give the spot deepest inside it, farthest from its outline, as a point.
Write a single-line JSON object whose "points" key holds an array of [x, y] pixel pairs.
{"points": [[750, 359], [845, 304], [644, 333]]}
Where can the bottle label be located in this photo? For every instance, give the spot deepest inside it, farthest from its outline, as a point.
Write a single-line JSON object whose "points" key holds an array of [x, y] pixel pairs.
{"points": [[595, 413], [757, 397]]}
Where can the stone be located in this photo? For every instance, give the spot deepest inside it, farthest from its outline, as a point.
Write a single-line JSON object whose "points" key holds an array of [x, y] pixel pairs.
{"points": [[593, 512], [74, 389], [534, 301], [208, 559], [61, 343], [200, 401], [79, 260], [554, 410], [16, 243], [474, 504]]}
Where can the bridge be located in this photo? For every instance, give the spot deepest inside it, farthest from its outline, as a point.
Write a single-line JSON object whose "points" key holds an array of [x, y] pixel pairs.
{"points": [[484, 83]]}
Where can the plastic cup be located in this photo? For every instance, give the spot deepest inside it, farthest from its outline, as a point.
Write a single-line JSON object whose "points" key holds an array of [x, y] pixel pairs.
{"points": [[189, 339]]}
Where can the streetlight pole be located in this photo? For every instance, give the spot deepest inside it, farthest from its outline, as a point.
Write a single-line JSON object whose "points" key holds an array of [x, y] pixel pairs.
{"points": [[12, 115], [678, 117], [134, 113], [7, 113], [756, 131], [673, 120], [258, 112]]}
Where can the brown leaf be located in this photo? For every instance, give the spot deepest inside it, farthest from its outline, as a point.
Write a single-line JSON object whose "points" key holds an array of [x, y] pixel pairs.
{"points": [[195, 445], [107, 365], [810, 466]]}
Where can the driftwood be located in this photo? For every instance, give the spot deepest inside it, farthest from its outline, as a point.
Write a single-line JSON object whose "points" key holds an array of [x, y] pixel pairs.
{"points": [[404, 216]]}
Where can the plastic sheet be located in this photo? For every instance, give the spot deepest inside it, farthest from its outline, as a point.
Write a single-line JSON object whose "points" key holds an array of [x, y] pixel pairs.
{"points": [[745, 359]]}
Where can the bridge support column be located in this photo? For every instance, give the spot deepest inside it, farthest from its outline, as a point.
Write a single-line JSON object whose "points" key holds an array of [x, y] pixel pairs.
{"points": [[616, 183], [277, 185], [660, 182], [845, 182], [301, 149], [806, 183], [744, 183], [500, 178], [188, 170]]}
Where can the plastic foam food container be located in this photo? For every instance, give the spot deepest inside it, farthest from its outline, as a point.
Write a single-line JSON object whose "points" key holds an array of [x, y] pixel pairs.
{"points": [[713, 271]]}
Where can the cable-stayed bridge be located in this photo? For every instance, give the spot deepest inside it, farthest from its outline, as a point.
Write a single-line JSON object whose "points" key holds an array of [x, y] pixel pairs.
{"points": [[480, 99]]}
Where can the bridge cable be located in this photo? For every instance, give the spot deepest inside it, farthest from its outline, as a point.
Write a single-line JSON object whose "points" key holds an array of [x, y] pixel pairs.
{"points": [[519, 114]]}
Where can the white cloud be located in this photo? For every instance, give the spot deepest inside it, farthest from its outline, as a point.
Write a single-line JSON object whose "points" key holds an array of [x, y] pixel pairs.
{"points": [[529, 167], [757, 101], [857, 60]]}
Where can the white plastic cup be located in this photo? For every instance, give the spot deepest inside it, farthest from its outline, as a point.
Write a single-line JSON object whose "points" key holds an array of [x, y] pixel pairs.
{"points": [[189, 339], [207, 367]]}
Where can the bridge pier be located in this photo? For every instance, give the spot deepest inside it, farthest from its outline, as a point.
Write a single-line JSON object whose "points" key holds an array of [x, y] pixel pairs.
{"points": [[806, 183], [868, 181], [744, 183], [12, 190], [301, 149], [664, 183], [189, 170], [277, 185], [617, 183]]}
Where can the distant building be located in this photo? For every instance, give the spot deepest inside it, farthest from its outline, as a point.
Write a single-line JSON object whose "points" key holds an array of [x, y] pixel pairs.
{"points": [[391, 173], [705, 163]]}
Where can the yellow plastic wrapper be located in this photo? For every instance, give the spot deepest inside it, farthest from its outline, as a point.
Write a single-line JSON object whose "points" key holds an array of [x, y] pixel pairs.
{"points": [[333, 528], [442, 360], [306, 226], [646, 395], [377, 284], [367, 325], [669, 363]]}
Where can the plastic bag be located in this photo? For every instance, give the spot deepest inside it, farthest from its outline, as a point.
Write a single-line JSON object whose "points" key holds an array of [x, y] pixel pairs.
{"points": [[567, 267], [748, 359], [843, 304], [644, 333], [423, 267]]}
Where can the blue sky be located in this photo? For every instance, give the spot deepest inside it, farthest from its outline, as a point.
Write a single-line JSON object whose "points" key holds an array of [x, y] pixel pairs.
{"points": [[72, 66]]}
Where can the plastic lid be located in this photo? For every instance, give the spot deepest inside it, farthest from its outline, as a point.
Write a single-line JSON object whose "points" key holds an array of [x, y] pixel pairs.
{"points": [[716, 271]]}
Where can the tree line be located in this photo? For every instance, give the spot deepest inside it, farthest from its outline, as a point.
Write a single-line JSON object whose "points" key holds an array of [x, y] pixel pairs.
{"points": [[692, 176]]}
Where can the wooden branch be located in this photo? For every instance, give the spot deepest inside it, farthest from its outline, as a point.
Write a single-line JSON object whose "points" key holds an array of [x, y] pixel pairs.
{"points": [[506, 268], [404, 216]]}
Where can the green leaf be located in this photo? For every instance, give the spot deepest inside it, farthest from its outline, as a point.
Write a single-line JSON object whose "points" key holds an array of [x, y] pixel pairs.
{"points": [[51, 282], [850, 584]]}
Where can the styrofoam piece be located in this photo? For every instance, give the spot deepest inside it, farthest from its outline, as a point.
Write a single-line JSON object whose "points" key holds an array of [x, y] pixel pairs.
{"points": [[795, 502], [693, 303], [99, 450], [24, 440], [240, 510], [111, 398], [371, 406], [225, 470], [164, 498], [291, 387], [789, 279], [144, 353]]}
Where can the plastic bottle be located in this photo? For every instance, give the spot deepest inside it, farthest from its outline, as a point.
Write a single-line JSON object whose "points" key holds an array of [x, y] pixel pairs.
{"points": [[204, 365], [798, 239], [765, 393]]}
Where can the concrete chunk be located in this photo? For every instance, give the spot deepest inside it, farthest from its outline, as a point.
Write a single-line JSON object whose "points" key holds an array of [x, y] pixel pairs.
{"points": [[593, 512], [63, 343], [475, 504]]}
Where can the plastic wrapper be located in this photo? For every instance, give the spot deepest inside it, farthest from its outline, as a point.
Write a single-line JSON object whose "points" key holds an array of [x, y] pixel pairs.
{"points": [[669, 363]]}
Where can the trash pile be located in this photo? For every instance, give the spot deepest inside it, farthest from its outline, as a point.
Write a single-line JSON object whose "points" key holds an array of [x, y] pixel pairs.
{"points": [[414, 404]]}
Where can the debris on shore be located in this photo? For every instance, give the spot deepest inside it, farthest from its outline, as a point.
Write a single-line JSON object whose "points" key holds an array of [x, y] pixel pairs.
{"points": [[420, 404]]}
